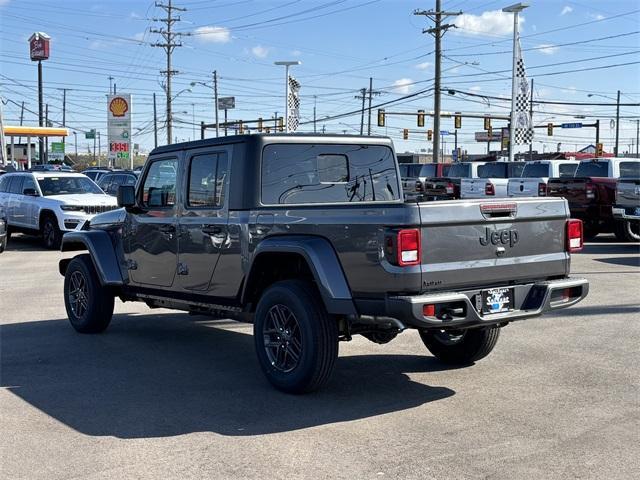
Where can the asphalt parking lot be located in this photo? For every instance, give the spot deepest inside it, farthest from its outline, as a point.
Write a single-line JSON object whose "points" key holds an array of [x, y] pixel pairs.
{"points": [[168, 395]]}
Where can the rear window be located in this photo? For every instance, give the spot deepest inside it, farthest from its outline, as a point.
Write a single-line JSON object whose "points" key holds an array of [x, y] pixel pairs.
{"points": [[593, 169], [492, 170], [410, 169], [533, 170], [567, 169], [428, 170], [629, 169], [460, 170], [294, 174]]}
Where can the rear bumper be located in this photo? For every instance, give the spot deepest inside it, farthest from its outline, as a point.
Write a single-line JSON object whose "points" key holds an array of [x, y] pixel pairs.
{"points": [[457, 309], [622, 213]]}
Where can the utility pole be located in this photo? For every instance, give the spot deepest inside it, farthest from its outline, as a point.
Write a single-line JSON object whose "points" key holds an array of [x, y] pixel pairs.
{"points": [[40, 112], [371, 94], [363, 96], [99, 148], [615, 150], [21, 120], [111, 91], [169, 45], [437, 32], [155, 122], [215, 100], [64, 110], [637, 138], [46, 124], [315, 99], [75, 144]]}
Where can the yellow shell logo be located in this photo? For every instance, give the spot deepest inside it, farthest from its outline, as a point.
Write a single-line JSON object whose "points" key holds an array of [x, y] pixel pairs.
{"points": [[118, 107]]}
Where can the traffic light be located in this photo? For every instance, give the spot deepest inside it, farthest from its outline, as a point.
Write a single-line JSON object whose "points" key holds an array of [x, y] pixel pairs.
{"points": [[421, 118], [490, 132], [487, 123], [599, 149], [457, 120], [267, 130], [430, 135], [260, 124], [550, 129], [281, 124], [381, 117], [240, 128], [405, 134]]}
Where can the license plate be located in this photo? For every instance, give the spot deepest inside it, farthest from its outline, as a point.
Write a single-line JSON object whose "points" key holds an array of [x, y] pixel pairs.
{"points": [[497, 300]]}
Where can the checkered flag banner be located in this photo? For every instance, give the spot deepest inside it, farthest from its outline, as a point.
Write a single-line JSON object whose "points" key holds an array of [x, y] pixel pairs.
{"points": [[523, 122], [294, 105]]}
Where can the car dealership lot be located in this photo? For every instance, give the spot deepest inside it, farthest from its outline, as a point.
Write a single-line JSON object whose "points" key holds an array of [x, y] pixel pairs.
{"points": [[164, 394]]}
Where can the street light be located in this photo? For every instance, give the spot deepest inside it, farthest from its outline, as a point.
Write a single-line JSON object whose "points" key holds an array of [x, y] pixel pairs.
{"points": [[286, 65], [515, 9], [617, 100]]}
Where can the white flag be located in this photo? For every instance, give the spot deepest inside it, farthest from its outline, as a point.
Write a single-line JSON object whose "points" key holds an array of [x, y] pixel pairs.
{"points": [[294, 105], [523, 121]]}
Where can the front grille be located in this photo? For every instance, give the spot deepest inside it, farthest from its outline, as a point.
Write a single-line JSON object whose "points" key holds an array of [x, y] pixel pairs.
{"points": [[93, 209]]}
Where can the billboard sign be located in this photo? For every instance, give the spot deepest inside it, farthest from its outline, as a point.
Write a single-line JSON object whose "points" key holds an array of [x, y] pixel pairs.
{"points": [[57, 151], [39, 44], [119, 128], [483, 136], [226, 103]]}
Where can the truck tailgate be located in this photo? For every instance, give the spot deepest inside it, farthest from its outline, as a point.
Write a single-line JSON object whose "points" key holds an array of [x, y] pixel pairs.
{"points": [[475, 243], [524, 187], [573, 189]]}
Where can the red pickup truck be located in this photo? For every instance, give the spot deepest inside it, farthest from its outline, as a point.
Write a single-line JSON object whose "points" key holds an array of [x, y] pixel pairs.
{"points": [[592, 192]]}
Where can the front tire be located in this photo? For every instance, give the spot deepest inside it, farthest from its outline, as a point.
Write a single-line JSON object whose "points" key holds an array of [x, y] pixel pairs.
{"points": [[461, 347], [627, 231], [50, 232], [89, 305], [296, 340]]}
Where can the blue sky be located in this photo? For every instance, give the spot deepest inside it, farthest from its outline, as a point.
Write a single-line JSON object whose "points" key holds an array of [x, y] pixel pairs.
{"points": [[341, 43]]}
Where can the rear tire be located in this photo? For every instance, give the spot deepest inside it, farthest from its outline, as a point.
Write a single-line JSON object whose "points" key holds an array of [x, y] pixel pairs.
{"points": [[89, 305], [590, 231], [627, 231], [50, 232], [296, 340], [461, 347]]}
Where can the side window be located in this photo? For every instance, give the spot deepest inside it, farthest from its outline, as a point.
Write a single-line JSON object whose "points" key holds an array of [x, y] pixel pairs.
{"points": [[4, 183], [297, 174], [629, 169], [207, 177], [16, 184], [130, 180], [159, 188], [567, 169], [29, 183]]}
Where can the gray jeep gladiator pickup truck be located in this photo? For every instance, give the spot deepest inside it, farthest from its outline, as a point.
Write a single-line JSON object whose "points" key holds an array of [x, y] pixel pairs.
{"points": [[310, 239]]}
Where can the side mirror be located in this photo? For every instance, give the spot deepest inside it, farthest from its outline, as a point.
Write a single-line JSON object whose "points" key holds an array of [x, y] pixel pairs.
{"points": [[126, 196], [31, 192]]}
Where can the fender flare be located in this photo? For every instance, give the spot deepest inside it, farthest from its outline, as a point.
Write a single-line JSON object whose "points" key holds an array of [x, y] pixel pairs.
{"points": [[323, 263], [99, 245]]}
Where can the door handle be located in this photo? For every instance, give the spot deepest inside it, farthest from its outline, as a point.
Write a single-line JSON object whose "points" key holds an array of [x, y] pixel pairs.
{"points": [[167, 228], [211, 230]]}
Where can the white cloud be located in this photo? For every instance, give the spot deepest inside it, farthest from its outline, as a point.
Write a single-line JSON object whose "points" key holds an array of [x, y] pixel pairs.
{"points": [[423, 65], [597, 16], [213, 34], [494, 22], [566, 9], [403, 85], [138, 36], [296, 53], [547, 48], [260, 51], [475, 88]]}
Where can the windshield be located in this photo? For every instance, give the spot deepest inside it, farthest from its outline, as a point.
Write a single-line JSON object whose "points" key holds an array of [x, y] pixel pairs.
{"points": [[629, 169], [460, 170], [533, 170], [65, 185], [593, 169]]}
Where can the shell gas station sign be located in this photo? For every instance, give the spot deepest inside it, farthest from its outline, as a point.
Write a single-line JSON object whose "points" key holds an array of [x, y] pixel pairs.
{"points": [[119, 129]]}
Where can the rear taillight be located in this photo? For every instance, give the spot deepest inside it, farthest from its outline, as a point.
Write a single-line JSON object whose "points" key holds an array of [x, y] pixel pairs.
{"points": [[489, 189], [542, 189], [409, 250], [590, 190], [575, 239], [449, 189]]}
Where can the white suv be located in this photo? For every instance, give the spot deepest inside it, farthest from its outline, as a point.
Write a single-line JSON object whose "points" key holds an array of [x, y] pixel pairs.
{"points": [[50, 203]]}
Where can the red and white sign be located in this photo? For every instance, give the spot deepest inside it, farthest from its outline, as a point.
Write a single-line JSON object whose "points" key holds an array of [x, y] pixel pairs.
{"points": [[119, 129], [39, 44]]}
